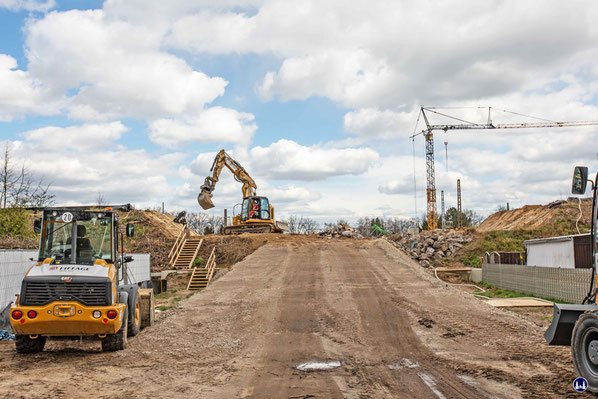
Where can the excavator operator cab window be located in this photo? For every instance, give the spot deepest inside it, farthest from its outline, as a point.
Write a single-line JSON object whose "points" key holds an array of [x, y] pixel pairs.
{"points": [[265, 209], [255, 208]]}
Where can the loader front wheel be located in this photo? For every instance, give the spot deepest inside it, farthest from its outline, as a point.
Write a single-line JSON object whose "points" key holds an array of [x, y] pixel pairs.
{"points": [[584, 348], [25, 344], [118, 341]]}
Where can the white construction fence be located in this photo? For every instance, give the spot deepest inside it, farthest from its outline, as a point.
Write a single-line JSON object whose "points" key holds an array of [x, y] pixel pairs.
{"points": [[567, 285], [14, 264]]}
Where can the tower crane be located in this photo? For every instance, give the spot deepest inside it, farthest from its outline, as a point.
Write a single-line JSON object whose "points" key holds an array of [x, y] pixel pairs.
{"points": [[462, 124]]}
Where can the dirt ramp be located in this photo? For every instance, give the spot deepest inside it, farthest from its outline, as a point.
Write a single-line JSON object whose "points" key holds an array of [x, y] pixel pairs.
{"points": [[558, 217], [527, 218]]}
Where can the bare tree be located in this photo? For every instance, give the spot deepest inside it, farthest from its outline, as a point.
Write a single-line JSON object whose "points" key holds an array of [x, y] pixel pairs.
{"points": [[301, 225], [100, 200], [7, 174], [18, 188]]}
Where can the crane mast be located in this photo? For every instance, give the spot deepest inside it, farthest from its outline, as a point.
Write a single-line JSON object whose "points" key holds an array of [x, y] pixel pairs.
{"points": [[428, 134]]}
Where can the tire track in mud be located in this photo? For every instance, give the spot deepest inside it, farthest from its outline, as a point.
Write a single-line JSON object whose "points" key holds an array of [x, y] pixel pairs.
{"points": [[388, 337]]}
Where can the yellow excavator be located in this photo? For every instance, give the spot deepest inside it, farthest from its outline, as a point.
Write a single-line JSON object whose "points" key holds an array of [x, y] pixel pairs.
{"points": [[257, 215]]}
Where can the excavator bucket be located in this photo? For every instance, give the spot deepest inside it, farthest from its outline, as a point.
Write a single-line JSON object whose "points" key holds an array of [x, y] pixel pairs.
{"points": [[282, 226], [563, 321], [205, 199]]}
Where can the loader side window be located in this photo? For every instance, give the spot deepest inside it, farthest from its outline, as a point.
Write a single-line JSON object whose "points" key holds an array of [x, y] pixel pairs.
{"points": [[96, 241]]}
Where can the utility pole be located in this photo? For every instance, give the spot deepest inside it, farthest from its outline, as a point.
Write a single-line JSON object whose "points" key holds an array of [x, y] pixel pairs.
{"points": [[442, 208], [459, 221], [225, 217]]}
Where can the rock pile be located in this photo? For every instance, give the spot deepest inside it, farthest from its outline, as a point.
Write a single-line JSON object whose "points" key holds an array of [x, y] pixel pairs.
{"points": [[340, 230], [428, 248]]}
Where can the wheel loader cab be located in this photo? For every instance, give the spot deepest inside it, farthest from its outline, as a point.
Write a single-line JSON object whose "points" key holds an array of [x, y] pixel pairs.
{"points": [[255, 208], [78, 237]]}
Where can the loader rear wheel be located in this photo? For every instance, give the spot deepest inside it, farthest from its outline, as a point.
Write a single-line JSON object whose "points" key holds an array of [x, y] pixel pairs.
{"points": [[24, 344], [118, 341], [135, 317], [584, 348]]}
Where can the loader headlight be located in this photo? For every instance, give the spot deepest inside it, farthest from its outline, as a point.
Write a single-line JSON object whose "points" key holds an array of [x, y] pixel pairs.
{"points": [[96, 314]]}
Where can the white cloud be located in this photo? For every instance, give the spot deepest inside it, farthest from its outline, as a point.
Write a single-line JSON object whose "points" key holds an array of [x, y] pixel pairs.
{"points": [[82, 161], [115, 68], [78, 138], [29, 5], [20, 93], [353, 78], [288, 160], [386, 53], [215, 124], [376, 123]]}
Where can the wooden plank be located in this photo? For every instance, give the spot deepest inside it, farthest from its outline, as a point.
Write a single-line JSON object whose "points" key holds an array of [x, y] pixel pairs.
{"points": [[518, 302], [146, 299]]}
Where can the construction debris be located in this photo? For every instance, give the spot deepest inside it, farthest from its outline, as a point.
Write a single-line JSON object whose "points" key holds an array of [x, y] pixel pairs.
{"points": [[428, 248], [340, 230]]}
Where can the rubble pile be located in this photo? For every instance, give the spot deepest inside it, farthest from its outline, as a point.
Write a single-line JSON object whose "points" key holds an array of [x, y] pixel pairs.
{"points": [[428, 248], [340, 230]]}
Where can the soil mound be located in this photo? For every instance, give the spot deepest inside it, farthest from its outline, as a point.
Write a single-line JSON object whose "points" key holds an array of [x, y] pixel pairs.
{"points": [[558, 216]]}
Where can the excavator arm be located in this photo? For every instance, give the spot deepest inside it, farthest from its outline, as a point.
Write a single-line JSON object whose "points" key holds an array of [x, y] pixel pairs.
{"points": [[240, 174]]}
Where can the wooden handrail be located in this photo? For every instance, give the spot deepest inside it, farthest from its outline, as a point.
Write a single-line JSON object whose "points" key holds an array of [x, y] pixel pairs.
{"points": [[211, 264], [177, 243]]}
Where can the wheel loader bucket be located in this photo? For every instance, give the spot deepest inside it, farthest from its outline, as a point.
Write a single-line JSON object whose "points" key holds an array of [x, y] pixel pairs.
{"points": [[563, 321], [205, 200]]}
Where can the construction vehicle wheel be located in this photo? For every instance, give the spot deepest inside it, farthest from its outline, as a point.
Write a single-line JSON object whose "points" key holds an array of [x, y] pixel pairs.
{"points": [[135, 315], [584, 348], [118, 341], [25, 344]]}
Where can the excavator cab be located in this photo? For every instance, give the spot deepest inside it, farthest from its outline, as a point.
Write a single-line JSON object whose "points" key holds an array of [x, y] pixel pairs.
{"points": [[255, 208]]}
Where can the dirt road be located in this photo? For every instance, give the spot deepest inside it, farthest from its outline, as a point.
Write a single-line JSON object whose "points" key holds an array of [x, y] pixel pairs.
{"points": [[394, 329]]}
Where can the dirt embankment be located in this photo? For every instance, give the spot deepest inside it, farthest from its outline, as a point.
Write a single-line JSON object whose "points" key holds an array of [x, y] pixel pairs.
{"points": [[558, 218]]}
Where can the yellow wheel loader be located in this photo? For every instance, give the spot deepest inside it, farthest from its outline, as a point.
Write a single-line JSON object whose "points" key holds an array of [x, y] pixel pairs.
{"points": [[257, 215], [79, 286], [577, 325]]}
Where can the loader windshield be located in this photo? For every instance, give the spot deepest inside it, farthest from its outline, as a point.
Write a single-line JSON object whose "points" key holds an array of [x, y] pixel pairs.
{"points": [[90, 232]]}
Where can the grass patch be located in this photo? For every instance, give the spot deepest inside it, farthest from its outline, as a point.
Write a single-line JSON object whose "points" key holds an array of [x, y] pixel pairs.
{"points": [[500, 241], [164, 308], [166, 294], [493, 292]]}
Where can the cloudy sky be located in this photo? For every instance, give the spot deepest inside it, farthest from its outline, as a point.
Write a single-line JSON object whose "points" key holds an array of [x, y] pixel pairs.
{"points": [[317, 99]]}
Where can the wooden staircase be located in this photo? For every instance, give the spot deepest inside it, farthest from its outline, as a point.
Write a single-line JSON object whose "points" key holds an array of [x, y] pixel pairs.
{"points": [[202, 275], [184, 251]]}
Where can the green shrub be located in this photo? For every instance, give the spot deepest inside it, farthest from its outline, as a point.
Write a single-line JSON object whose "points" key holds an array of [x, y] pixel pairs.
{"points": [[15, 222], [198, 261]]}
